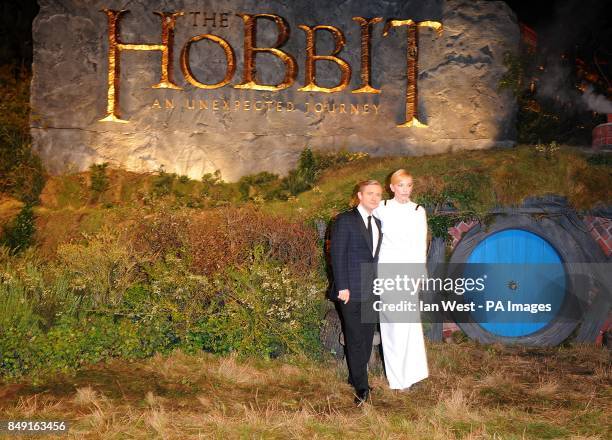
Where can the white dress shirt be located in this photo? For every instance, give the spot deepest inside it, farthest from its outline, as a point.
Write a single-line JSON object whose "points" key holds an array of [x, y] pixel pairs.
{"points": [[375, 232]]}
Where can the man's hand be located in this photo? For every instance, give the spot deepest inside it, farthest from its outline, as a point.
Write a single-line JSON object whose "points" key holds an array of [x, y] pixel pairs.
{"points": [[344, 295]]}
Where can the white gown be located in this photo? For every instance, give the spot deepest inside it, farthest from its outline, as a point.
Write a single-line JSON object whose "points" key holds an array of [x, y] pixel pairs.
{"points": [[404, 241]]}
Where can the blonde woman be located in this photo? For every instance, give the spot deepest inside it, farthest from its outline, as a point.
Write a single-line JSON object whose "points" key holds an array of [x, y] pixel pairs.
{"points": [[402, 254]]}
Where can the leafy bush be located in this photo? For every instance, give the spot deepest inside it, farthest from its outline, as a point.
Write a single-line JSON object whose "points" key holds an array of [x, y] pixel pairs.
{"points": [[99, 269], [162, 183], [21, 171], [262, 310], [217, 191], [303, 177], [600, 159], [439, 224], [311, 165], [172, 292], [260, 186], [216, 239], [98, 180], [219, 239], [268, 186], [49, 324], [47, 327], [179, 190], [19, 234], [161, 232], [77, 341]]}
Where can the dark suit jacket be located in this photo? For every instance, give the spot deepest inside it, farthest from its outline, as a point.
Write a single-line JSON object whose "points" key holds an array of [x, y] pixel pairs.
{"points": [[349, 249]]}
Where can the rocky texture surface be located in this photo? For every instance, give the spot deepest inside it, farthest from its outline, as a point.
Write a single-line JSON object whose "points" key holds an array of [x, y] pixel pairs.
{"points": [[458, 95]]}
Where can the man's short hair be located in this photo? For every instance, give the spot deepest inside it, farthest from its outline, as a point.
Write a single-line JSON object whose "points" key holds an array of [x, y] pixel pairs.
{"points": [[361, 185], [359, 188]]}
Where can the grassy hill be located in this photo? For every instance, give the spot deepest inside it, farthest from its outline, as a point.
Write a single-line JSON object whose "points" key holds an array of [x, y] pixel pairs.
{"points": [[472, 182]]}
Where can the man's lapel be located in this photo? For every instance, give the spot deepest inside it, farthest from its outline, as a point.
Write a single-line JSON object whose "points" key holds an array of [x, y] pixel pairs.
{"points": [[380, 236], [362, 228]]}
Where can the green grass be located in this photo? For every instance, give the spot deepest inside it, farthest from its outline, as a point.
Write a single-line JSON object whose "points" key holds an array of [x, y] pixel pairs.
{"points": [[72, 192]]}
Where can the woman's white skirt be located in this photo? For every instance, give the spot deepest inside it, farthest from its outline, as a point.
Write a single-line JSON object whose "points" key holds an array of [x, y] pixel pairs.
{"points": [[401, 331], [404, 353]]}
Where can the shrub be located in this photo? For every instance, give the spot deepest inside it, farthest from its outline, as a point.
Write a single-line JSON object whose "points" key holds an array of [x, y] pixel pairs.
{"points": [[223, 238], [312, 164], [100, 269], [217, 191], [162, 183], [46, 328], [18, 352], [262, 310], [77, 341], [264, 185], [173, 293], [19, 234], [603, 159], [99, 180], [161, 232], [439, 224], [303, 177], [21, 171], [216, 239], [24, 287]]}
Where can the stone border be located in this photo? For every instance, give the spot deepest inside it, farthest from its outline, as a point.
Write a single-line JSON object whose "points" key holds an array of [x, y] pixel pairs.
{"points": [[600, 229], [564, 230], [457, 231]]}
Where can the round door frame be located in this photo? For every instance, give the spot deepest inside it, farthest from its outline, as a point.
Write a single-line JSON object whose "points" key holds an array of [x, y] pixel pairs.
{"points": [[575, 248]]}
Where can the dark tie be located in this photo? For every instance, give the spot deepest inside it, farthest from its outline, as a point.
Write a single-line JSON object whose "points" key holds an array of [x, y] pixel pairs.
{"points": [[370, 232]]}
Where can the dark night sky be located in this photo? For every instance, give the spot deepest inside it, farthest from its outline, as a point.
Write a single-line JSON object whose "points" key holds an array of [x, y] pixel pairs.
{"points": [[567, 23], [534, 13]]}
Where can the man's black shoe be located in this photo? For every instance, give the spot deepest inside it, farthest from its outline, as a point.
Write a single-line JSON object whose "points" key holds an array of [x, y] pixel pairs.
{"points": [[361, 397]]}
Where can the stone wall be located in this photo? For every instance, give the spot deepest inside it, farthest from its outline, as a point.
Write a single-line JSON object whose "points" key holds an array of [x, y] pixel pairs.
{"points": [[600, 229], [457, 231], [193, 131]]}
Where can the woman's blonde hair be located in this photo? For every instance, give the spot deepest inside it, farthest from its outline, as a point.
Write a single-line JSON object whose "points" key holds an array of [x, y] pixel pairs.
{"points": [[399, 175]]}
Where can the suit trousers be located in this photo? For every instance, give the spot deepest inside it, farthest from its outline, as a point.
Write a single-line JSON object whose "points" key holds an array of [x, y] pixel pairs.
{"points": [[358, 337]]}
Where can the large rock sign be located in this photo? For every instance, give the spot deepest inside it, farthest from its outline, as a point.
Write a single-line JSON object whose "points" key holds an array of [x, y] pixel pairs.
{"points": [[196, 86]]}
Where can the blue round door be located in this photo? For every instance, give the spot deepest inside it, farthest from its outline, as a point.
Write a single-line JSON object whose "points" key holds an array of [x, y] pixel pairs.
{"points": [[525, 283]]}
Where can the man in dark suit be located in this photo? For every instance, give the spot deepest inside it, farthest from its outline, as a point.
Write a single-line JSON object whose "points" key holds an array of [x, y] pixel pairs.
{"points": [[355, 243]]}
